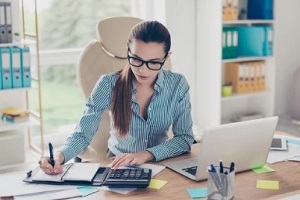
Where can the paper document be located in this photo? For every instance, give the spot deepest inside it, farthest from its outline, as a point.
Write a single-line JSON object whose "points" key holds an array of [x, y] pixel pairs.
{"points": [[292, 151], [12, 184], [81, 191], [155, 168]]}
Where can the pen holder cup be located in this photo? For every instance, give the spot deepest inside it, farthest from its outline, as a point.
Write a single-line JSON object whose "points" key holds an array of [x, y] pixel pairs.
{"points": [[220, 185]]}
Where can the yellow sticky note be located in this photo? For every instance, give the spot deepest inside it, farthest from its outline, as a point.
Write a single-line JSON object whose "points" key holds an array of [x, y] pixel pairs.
{"points": [[263, 169], [267, 184], [157, 184]]}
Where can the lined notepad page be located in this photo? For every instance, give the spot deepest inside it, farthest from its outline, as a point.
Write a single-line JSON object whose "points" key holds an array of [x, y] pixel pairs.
{"points": [[42, 176], [81, 172]]}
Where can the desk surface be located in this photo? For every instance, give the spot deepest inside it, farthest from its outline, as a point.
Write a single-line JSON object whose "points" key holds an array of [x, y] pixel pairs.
{"points": [[287, 173]]}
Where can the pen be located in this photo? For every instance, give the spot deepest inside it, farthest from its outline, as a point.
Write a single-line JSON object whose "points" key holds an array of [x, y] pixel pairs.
{"points": [[52, 162], [29, 173], [212, 168], [231, 167], [221, 167], [215, 178]]}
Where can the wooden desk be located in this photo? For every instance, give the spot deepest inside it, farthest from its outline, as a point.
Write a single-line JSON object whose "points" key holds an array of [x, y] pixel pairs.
{"points": [[287, 173]]}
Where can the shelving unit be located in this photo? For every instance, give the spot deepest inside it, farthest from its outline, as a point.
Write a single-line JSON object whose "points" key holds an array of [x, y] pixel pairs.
{"points": [[214, 109], [20, 97], [256, 102], [27, 37], [249, 22]]}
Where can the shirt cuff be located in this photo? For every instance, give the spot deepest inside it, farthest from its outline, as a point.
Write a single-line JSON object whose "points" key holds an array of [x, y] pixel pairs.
{"points": [[68, 154], [160, 152]]}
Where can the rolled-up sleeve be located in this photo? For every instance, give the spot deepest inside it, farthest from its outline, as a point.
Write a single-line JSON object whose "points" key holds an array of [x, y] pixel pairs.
{"points": [[88, 125]]}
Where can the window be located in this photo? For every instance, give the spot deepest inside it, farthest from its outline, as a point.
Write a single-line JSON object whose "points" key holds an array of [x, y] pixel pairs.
{"points": [[64, 28]]}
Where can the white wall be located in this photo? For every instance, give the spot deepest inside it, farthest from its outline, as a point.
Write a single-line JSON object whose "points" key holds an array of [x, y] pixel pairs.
{"points": [[179, 17], [287, 50], [196, 52]]}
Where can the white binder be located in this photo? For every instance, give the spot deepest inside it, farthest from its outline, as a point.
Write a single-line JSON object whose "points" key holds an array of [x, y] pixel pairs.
{"points": [[8, 24], [2, 23]]}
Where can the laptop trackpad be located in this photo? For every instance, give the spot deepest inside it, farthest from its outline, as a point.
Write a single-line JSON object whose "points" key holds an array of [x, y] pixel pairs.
{"points": [[184, 163]]}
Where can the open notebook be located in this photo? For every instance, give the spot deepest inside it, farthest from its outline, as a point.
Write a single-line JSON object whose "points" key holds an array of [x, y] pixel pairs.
{"points": [[93, 174], [71, 172]]}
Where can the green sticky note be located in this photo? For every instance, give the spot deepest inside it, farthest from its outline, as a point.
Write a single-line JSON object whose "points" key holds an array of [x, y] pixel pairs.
{"points": [[157, 184], [196, 193], [263, 169], [86, 190], [267, 184]]}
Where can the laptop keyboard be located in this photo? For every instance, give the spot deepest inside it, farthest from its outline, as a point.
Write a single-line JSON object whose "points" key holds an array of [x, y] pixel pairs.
{"points": [[191, 170]]}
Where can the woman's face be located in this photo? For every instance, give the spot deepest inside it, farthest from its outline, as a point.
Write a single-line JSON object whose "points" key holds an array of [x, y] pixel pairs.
{"points": [[153, 52]]}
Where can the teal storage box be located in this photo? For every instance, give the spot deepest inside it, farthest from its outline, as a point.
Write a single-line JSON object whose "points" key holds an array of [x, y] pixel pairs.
{"points": [[251, 41], [260, 9], [229, 43]]}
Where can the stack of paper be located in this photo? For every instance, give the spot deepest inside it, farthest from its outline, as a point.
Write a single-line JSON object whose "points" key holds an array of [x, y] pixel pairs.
{"points": [[292, 153]]}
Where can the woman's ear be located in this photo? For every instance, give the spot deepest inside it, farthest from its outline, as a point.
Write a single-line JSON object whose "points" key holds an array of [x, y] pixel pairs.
{"points": [[169, 54]]}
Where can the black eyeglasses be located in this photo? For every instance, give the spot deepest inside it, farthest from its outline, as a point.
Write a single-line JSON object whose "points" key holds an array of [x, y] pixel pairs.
{"points": [[137, 62]]}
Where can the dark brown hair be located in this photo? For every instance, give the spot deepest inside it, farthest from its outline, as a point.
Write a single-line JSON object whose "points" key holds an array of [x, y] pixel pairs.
{"points": [[146, 31]]}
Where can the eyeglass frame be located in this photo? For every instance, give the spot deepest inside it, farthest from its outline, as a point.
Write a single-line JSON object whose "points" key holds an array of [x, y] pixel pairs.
{"points": [[146, 62]]}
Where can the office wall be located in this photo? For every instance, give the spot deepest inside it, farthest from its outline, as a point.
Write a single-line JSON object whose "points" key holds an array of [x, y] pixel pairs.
{"points": [[180, 18], [287, 50]]}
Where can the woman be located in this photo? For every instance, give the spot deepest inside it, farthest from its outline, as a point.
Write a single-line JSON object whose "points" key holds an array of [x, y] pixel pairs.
{"points": [[144, 101]]}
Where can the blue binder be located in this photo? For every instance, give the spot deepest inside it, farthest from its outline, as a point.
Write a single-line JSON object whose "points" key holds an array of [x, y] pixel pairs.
{"points": [[260, 9], [251, 41], [268, 43], [6, 68], [25, 66], [16, 67]]}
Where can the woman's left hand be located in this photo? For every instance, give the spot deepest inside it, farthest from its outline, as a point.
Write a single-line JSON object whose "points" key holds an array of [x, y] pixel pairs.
{"points": [[131, 159]]}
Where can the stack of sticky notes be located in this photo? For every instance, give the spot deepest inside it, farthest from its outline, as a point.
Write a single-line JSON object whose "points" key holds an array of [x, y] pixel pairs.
{"points": [[14, 115]]}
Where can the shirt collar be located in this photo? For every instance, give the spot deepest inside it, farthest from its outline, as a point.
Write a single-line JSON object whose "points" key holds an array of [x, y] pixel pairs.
{"points": [[159, 83]]}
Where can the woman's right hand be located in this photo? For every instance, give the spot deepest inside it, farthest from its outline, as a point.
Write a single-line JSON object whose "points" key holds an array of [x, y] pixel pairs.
{"points": [[47, 167]]}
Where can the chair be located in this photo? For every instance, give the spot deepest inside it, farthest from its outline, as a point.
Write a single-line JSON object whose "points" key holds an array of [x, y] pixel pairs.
{"points": [[106, 54]]}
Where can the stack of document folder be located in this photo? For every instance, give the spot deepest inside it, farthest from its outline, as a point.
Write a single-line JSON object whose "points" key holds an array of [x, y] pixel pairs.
{"points": [[246, 77], [230, 10]]}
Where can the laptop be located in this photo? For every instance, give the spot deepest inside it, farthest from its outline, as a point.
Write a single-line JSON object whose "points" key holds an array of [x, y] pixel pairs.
{"points": [[246, 143]]}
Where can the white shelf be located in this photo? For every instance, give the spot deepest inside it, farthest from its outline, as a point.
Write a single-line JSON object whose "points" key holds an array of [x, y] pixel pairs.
{"points": [[244, 96], [245, 59], [247, 22], [6, 126], [17, 89], [25, 42]]}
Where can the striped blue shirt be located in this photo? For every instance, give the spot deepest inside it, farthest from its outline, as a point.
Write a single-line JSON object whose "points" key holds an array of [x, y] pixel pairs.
{"points": [[170, 105]]}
